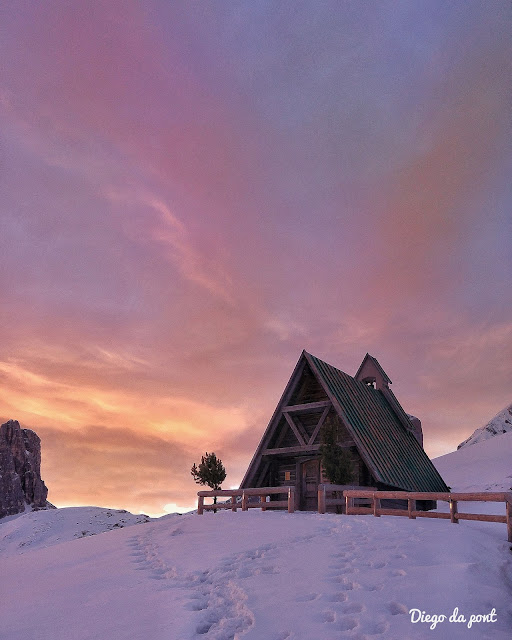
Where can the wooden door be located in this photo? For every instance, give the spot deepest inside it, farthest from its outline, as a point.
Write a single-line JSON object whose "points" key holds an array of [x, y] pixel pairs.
{"points": [[310, 480]]}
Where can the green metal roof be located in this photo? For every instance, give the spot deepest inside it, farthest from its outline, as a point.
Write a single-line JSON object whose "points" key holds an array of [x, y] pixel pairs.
{"points": [[390, 449]]}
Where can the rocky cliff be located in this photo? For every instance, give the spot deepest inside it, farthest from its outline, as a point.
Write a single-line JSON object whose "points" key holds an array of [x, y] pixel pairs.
{"points": [[20, 470], [501, 423]]}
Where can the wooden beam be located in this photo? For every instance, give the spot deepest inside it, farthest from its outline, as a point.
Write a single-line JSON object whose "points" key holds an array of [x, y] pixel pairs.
{"points": [[261, 477], [432, 495], [284, 450], [481, 517], [453, 511], [293, 427], [320, 423], [479, 496], [308, 406], [267, 491], [277, 504], [359, 511], [300, 427], [210, 493], [291, 499], [321, 498], [281, 436]]}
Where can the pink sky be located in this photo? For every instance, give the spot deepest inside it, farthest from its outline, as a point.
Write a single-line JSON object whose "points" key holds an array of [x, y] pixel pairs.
{"points": [[192, 193]]}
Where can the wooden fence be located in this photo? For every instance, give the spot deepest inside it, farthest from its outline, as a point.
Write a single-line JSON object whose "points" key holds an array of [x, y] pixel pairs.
{"points": [[411, 512], [241, 499], [324, 490], [246, 503]]}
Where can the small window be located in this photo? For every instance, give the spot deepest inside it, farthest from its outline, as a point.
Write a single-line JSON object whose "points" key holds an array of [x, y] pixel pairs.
{"points": [[287, 475]]}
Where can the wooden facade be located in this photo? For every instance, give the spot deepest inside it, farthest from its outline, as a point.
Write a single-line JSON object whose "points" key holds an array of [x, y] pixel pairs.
{"points": [[361, 409]]}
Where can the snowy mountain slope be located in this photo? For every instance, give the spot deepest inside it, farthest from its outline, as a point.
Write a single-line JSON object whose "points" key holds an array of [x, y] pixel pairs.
{"points": [[35, 529], [485, 466], [261, 576], [501, 423]]}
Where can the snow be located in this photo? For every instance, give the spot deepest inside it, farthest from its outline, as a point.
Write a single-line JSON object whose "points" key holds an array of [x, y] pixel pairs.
{"points": [[501, 423], [260, 575], [484, 466], [35, 529]]}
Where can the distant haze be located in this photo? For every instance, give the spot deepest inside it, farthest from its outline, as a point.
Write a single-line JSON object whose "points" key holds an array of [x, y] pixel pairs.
{"points": [[192, 193]]}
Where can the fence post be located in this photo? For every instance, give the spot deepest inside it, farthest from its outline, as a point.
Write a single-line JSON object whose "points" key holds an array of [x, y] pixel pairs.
{"points": [[233, 500], [376, 506], [453, 511], [411, 506], [244, 501], [508, 502], [200, 505], [263, 500], [291, 499], [321, 498]]}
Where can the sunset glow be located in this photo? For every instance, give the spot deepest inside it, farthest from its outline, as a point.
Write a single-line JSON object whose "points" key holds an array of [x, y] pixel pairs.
{"points": [[192, 193]]}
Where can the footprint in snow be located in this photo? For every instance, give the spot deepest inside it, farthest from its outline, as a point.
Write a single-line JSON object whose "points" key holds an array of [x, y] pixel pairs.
{"points": [[345, 570], [269, 569], [348, 585], [328, 616], [353, 607], [198, 605], [347, 624], [204, 628], [378, 628], [396, 608], [398, 573], [308, 597], [177, 532], [340, 596], [337, 563]]}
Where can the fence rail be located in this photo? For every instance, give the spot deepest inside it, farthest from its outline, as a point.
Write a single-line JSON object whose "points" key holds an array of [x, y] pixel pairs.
{"points": [[245, 502], [350, 495], [324, 490]]}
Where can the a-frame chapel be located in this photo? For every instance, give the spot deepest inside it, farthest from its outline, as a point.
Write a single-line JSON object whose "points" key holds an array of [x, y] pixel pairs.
{"points": [[385, 444]]}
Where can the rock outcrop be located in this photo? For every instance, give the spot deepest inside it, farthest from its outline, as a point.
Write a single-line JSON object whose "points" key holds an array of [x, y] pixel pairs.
{"points": [[20, 470], [501, 423]]}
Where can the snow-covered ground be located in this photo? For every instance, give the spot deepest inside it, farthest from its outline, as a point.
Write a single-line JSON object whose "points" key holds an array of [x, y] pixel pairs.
{"points": [[36, 529], [258, 575]]}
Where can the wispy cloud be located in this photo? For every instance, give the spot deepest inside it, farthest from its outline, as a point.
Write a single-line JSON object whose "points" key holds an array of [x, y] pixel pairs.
{"points": [[169, 231]]}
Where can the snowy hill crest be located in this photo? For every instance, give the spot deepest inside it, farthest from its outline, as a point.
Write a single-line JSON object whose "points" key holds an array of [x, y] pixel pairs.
{"points": [[501, 423]]}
